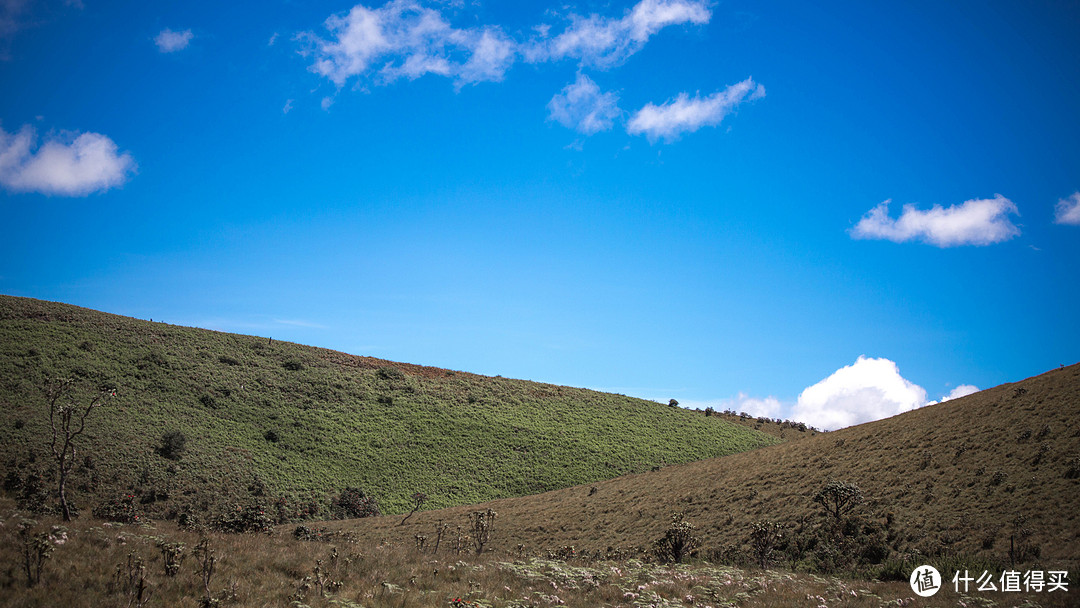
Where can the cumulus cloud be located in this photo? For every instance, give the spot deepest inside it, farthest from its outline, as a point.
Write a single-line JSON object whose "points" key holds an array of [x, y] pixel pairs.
{"points": [[1068, 210], [770, 407], [168, 41], [869, 389], [405, 39], [69, 165], [605, 41], [582, 107], [960, 391], [685, 115], [975, 222]]}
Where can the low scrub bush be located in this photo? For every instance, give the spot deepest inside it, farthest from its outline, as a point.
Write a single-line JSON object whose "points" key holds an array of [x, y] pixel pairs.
{"points": [[172, 445], [121, 509], [238, 519], [354, 503], [678, 541]]}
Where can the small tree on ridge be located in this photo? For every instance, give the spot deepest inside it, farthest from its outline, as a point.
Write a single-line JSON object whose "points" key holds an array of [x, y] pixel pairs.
{"points": [[67, 421]]}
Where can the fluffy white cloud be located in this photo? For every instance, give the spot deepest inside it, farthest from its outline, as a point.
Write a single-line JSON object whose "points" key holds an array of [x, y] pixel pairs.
{"points": [[869, 389], [404, 39], [582, 107], [685, 115], [960, 391], [1068, 210], [975, 222], [769, 406], [168, 41], [72, 165], [605, 41]]}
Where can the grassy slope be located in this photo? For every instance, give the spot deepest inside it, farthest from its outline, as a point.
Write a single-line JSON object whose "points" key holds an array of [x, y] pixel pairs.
{"points": [[933, 469], [340, 420]]}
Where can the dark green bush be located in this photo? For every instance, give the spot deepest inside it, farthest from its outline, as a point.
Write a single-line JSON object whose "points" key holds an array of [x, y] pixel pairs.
{"points": [[238, 519], [120, 509], [353, 502], [172, 445], [678, 541]]}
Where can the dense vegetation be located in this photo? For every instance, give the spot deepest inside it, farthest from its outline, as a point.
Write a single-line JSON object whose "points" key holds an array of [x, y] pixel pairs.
{"points": [[205, 422]]}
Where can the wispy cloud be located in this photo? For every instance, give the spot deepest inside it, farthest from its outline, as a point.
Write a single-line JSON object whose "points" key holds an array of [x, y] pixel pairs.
{"points": [[72, 164], [605, 41], [975, 222], [10, 16], [1068, 210], [685, 115], [299, 323], [583, 107], [406, 40], [169, 41]]}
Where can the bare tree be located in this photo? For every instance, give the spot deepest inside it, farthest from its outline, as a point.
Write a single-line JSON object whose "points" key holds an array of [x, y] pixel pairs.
{"points": [[418, 499], [67, 421]]}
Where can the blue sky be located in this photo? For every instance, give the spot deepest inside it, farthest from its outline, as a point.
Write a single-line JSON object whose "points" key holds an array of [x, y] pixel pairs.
{"points": [[729, 204]]}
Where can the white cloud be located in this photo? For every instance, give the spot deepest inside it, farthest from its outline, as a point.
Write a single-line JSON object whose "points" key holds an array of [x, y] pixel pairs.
{"points": [[69, 165], [684, 115], [1068, 210], [869, 389], [769, 407], [404, 39], [975, 222], [582, 107], [604, 41], [287, 107], [960, 391], [168, 41]]}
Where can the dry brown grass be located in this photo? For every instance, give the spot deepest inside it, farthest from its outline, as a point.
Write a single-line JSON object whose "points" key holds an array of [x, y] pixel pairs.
{"points": [[933, 469], [278, 570]]}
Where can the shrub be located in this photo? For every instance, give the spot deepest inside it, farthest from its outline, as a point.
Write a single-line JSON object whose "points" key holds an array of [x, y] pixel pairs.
{"points": [[709, 411], [227, 360], [678, 541], [121, 509], [389, 373], [353, 502], [271, 436], [1073, 471], [483, 524], [172, 556], [208, 400], [764, 536], [839, 497], [172, 445], [293, 365], [36, 548], [673, 403], [239, 520]]}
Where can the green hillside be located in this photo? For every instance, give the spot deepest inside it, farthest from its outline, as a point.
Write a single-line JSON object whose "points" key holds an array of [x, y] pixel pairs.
{"points": [[293, 425]]}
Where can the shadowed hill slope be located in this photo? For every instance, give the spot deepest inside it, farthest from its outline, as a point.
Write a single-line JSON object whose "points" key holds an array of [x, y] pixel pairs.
{"points": [[946, 479], [279, 423]]}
